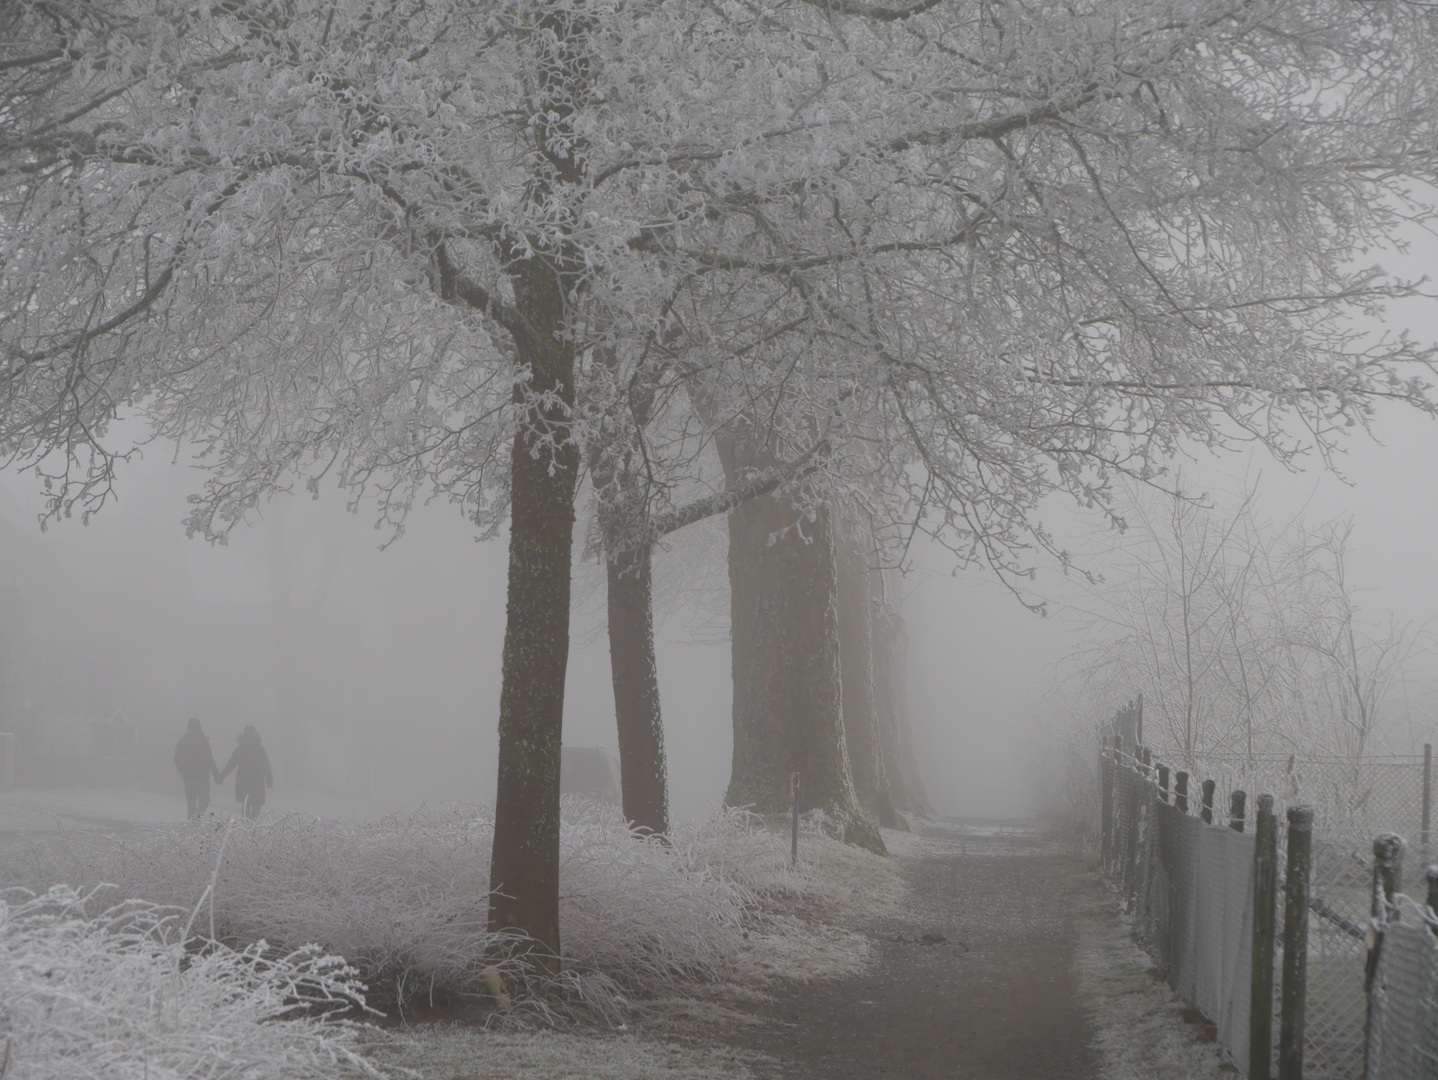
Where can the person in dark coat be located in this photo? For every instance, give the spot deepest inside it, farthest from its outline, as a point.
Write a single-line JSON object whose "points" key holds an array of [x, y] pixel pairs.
{"points": [[252, 771], [196, 762]]}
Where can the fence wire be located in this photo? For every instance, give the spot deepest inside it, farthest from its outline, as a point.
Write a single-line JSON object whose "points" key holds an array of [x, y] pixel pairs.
{"points": [[1189, 887], [1403, 1030], [1336, 1005], [1365, 797]]}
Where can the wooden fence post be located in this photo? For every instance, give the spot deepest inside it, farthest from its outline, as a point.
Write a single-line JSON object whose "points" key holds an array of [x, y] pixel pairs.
{"points": [[1236, 806], [1293, 995], [1432, 875], [1180, 791], [1207, 812], [1265, 897], [794, 782], [1163, 782]]}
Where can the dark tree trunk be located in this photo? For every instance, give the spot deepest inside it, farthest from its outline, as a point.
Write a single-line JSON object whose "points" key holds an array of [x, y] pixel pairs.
{"points": [[524, 871], [862, 721], [788, 695], [893, 794], [906, 785], [861, 733], [636, 689]]}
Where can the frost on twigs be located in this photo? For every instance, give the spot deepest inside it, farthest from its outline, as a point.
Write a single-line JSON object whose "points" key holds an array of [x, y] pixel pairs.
{"points": [[118, 994]]}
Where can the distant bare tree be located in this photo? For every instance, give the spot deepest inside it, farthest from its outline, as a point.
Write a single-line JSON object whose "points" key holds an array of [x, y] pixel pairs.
{"points": [[1244, 638]]}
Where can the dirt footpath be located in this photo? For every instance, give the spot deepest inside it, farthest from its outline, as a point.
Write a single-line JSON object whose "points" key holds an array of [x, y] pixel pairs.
{"points": [[1008, 962]]}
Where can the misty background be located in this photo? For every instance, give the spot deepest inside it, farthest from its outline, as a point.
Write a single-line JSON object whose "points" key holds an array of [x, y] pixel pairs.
{"points": [[381, 687], [371, 665]]}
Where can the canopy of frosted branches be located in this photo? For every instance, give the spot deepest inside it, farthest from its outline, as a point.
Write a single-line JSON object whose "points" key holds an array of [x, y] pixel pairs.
{"points": [[979, 251]]}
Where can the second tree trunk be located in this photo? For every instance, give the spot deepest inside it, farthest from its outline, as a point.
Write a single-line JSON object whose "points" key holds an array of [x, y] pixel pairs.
{"points": [[636, 690], [788, 697]]}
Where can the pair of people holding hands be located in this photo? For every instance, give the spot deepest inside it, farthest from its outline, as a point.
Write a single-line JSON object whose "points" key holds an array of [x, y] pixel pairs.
{"points": [[248, 761]]}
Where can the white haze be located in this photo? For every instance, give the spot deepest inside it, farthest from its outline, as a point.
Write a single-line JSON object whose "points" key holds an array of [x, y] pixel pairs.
{"points": [[398, 654]]}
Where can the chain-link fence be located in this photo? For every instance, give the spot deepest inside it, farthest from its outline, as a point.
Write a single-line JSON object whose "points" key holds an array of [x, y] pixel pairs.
{"points": [[1351, 802], [1403, 1010], [1189, 889], [1189, 881], [1366, 797]]}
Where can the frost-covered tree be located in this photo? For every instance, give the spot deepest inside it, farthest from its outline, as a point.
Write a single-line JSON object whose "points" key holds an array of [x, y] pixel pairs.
{"points": [[384, 242], [1090, 236], [1019, 249]]}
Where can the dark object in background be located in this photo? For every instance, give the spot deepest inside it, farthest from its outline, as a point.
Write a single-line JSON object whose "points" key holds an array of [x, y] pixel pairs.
{"points": [[196, 762], [252, 771], [588, 770]]}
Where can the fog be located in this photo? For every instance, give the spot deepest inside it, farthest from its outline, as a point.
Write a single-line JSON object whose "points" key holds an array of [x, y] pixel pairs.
{"points": [[391, 655], [371, 664]]}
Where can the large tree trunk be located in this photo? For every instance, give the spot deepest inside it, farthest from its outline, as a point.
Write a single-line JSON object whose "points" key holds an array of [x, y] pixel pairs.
{"points": [[524, 870], [893, 793], [636, 689], [869, 758], [788, 696], [856, 660], [906, 785]]}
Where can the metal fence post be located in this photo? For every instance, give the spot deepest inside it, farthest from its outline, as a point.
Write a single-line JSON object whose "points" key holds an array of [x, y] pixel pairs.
{"points": [[1427, 791], [1387, 872], [1207, 812], [1105, 768], [1180, 791], [1265, 896], [1236, 806], [1295, 943]]}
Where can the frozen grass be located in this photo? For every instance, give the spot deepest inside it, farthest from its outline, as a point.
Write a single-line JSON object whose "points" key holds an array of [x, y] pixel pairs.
{"points": [[1136, 1017], [405, 898], [447, 1052], [116, 994]]}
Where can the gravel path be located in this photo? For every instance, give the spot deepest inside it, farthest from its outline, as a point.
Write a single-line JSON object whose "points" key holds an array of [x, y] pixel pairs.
{"points": [[1008, 961]]}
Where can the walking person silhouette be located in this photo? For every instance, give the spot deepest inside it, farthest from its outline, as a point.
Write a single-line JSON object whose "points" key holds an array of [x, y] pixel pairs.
{"points": [[251, 766], [196, 762]]}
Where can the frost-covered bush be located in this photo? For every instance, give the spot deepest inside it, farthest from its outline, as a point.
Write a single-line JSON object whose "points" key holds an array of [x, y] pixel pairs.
{"points": [[116, 994], [405, 898]]}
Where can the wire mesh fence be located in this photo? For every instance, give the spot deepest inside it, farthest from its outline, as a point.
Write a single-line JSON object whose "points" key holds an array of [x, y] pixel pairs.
{"points": [[1403, 1016], [1188, 886], [1189, 881], [1364, 798], [1352, 801]]}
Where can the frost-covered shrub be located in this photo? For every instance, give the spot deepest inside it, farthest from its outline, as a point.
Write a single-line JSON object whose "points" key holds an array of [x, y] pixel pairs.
{"points": [[405, 898], [116, 994]]}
